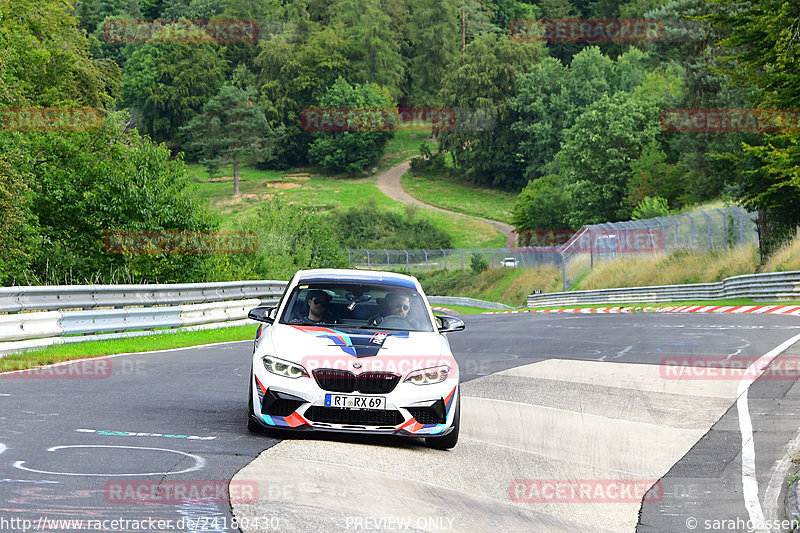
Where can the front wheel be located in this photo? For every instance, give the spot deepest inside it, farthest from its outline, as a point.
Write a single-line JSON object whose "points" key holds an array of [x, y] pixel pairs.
{"points": [[451, 439], [252, 425]]}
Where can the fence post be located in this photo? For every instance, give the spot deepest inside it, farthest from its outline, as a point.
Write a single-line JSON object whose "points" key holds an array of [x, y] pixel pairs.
{"points": [[692, 219], [741, 226], [462, 259], [408, 265], [444, 254], [427, 267], [724, 226], [564, 272], [369, 265], [349, 259], [708, 227]]}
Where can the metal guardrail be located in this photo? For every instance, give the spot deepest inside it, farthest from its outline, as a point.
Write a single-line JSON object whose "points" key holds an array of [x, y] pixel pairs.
{"points": [[469, 302], [68, 314], [769, 287], [58, 297]]}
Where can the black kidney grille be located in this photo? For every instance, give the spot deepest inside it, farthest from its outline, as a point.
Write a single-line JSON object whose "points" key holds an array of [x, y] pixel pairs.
{"points": [[335, 380], [345, 381], [361, 417]]}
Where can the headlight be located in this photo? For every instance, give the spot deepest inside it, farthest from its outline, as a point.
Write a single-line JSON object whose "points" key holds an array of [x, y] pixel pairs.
{"points": [[428, 376], [283, 368]]}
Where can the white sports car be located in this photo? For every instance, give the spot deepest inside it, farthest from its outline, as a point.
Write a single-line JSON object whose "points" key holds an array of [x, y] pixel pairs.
{"points": [[355, 351]]}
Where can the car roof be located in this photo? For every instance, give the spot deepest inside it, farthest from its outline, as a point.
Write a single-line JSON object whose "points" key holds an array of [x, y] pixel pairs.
{"points": [[356, 276]]}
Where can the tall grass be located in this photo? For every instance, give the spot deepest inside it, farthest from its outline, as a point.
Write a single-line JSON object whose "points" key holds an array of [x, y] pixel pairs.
{"points": [[676, 268], [785, 258]]}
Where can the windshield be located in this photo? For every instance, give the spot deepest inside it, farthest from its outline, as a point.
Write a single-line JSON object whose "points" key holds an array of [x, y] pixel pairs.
{"points": [[372, 306]]}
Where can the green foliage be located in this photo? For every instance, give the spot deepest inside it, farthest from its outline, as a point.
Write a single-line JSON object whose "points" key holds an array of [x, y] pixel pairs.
{"points": [[290, 237], [232, 129], [350, 151], [428, 160], [19, 234], [375, 54], [166, 84], [367, 226], [653, 176], [484, 78], [597, 154], [650, 207], [294, 76], [434, 38], [542, 204], [44, 59], [761, 38], [90, 182], [477, 263]]}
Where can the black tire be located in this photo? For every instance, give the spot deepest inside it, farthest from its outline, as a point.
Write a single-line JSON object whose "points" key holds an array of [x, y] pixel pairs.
{"points": [[451, 439], [252, 425]]}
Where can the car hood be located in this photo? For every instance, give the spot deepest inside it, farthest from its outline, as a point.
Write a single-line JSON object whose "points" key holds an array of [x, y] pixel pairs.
{"points": [[341, 340]]}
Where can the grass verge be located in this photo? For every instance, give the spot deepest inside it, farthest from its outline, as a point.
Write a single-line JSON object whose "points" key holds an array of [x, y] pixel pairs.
{"points": [[448, 192], [165, 341]]}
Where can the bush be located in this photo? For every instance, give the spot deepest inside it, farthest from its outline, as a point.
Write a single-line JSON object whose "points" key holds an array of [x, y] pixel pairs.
{"points": [[427, 160], [368, 226], [291, 237], [650, 208], [349, 151]]}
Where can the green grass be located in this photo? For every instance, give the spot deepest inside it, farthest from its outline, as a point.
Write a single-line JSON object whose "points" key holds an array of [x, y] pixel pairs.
{"points": [[448, 192], [403, 145], [460, 309], [303, 186], [165, 341]]}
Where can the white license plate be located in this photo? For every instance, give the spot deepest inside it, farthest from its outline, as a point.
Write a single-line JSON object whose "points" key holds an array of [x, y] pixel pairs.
{"points": [[345, 401]]}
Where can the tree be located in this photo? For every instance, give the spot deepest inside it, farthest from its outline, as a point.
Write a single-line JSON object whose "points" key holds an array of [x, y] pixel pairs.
{"points": [[434, 41], [351, 151], [44, 59], [86, 183], [19, 235], [294, 76], [375, 53], [597, 154], [166, 84], [761, 40], [232, 129], [482, 80], [542, 204]]}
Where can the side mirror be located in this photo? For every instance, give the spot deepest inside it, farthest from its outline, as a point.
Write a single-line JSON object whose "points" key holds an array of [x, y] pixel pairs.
{"points": [[449, 323], [262, 314]]}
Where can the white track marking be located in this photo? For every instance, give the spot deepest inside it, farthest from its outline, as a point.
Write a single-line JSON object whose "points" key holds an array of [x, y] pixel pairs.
{"points": [[749, 480], [2, 447], [199, 462]]}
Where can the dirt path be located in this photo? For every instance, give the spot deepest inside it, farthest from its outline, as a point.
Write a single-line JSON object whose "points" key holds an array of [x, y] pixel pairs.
{"points": [[389, 184]]}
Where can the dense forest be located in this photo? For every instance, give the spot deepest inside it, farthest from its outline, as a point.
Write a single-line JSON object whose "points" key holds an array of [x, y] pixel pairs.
{"points": [[577, 127]]}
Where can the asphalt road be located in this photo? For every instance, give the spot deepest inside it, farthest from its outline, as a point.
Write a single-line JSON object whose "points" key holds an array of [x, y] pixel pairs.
{"points": [[78, 441]]}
